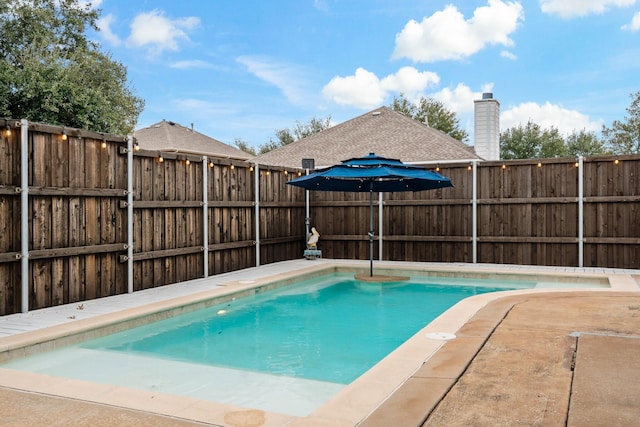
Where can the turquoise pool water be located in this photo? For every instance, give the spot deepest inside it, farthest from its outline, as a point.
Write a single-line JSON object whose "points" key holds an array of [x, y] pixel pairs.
{"points": [[331, 329], [286, 350]]}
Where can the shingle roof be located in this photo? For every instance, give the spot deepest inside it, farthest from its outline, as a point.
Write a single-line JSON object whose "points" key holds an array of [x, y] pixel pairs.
{"points": [[382, 131], [170, 136]]}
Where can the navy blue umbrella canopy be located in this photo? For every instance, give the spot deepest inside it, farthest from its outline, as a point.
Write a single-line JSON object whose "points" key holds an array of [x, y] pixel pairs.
{"points": [[371, 174]]}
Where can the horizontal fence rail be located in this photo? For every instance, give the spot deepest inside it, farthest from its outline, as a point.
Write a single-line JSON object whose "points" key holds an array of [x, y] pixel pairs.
{"points": [[84, 215]]}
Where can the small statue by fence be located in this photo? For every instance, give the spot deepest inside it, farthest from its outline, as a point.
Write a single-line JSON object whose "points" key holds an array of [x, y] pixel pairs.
{"points": [[312, 251]]}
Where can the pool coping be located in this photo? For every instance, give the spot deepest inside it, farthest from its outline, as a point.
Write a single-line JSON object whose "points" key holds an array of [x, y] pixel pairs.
{"points": [[349, 407]]}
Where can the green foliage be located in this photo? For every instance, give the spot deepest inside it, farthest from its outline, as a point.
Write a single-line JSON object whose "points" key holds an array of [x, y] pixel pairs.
{"points": [[50, 72], [624, 136], [299, 131], [244, 146], [433, 113], [533, 142], [268, 146], [584, 143]]}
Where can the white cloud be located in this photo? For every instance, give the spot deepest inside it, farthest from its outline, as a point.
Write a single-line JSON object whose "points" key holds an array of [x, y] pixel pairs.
{"points": [[191, 64], [447, 35], [409, 81], [547, 115], [157, 33], [104, 24], [635, 23], [508, 55], [362, 90], [460, 99], [365, 90], [577, 8], [286, 77]]}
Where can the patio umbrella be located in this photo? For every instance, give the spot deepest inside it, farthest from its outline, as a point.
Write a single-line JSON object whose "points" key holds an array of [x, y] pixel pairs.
{"points": [[373, 174]]}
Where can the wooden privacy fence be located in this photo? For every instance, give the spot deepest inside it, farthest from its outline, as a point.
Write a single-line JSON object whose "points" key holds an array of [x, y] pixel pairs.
{"points": [[84, 215], [557, 212]]}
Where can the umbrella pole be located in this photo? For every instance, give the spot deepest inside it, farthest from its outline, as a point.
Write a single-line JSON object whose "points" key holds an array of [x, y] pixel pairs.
{"points": [[371, 230]]}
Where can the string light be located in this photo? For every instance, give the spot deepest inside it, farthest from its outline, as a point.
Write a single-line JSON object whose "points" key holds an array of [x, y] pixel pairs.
{"points": [[438, 168], [616, 161], [539, 164], [232, 167], [286, 172], [210, 164], [64, 134], [250, 168], [136, 146], [187, 162], [160, 159], [104, 143], [8, 129]]}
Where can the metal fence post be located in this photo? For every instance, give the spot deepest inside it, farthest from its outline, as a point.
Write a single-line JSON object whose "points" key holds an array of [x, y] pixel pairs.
{"points": [[205, 214], [256, 172], [580, 211], [130, 214], [474, 211], [24, 214]]}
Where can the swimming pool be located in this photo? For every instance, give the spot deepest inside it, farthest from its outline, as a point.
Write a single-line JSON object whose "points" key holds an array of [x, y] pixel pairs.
{"points": [[345, 404], [306, 341]]}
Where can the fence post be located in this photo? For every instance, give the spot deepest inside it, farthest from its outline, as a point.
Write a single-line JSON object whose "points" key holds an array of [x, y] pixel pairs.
{"points": [[580, 211], [24, 214], [256, 180], [205, 214], [130, 214], [474, 211]]}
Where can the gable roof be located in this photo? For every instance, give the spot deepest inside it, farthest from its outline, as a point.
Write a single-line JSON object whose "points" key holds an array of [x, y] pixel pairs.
{"points": [[382, 131], [170, 136]]}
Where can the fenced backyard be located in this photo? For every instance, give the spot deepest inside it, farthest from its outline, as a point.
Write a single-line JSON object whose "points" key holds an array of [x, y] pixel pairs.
{"points": [[84, 215]]}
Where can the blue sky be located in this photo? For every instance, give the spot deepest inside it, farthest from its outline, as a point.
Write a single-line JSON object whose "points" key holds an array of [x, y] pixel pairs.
{"points": [[245, 68]]}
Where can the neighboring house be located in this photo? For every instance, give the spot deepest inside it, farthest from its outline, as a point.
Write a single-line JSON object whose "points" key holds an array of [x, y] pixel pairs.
{"points": [[382, 131], [173, 137]]}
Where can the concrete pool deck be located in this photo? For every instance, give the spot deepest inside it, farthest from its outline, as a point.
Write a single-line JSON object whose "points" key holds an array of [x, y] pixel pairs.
{"points": [[549, 357]]}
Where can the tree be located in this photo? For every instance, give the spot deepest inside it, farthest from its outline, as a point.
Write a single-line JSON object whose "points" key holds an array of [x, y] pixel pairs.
{"points": [[584, 143], [244, 146], [51, 72], [433, 113], [624, 136], [302, 130], [531, 142], [299, 131]]}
